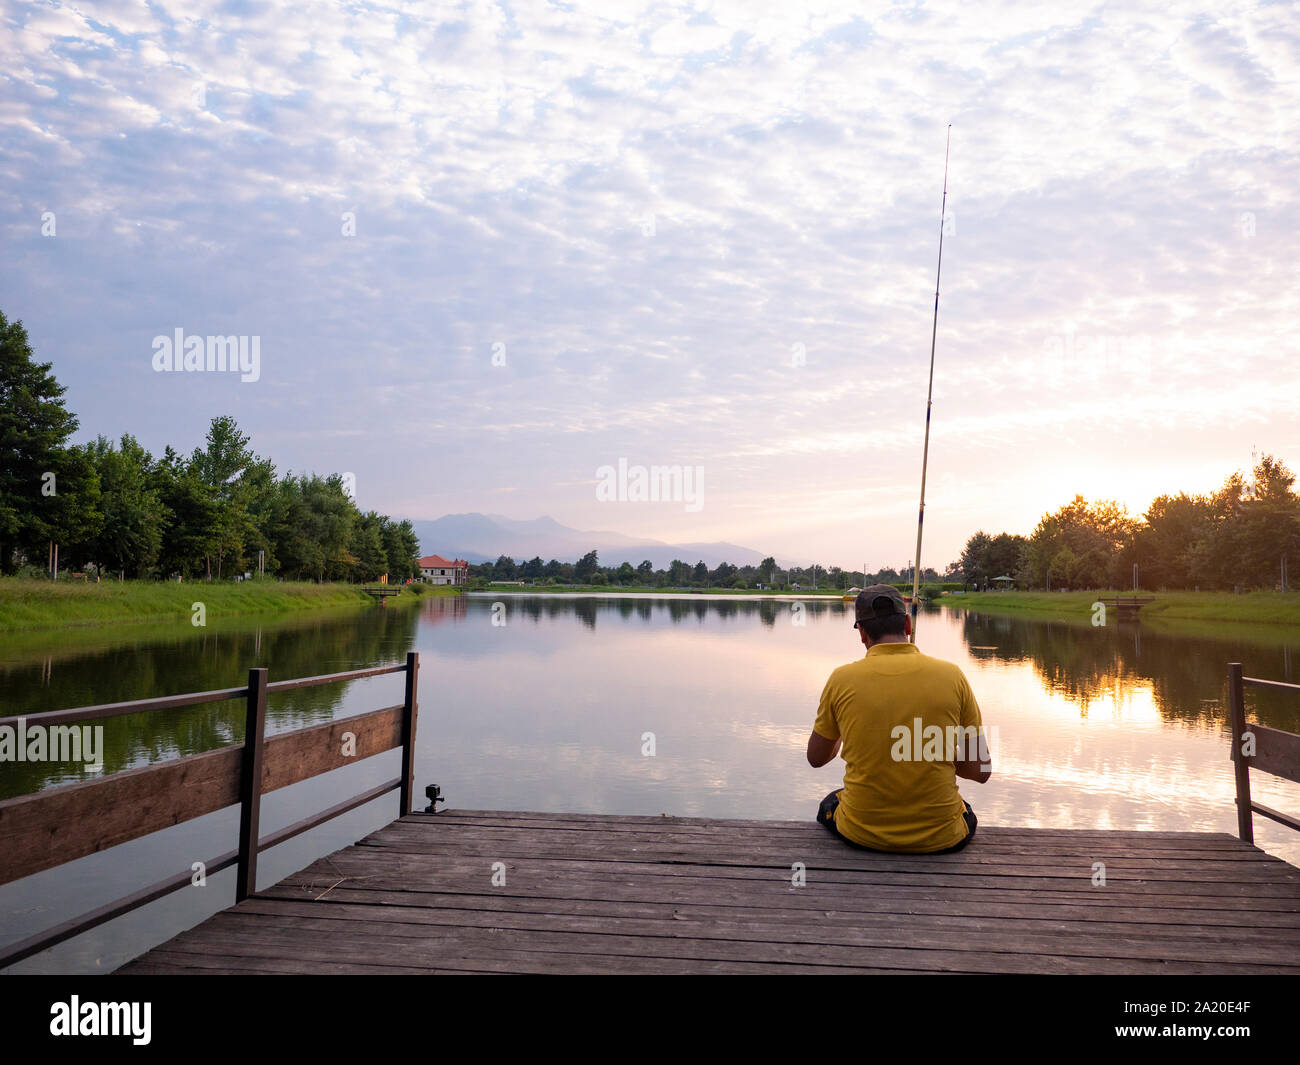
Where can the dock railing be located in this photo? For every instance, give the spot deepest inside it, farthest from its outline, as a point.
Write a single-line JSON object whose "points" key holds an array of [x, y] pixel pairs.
{"points": [[1256, 746], [58, 825]]}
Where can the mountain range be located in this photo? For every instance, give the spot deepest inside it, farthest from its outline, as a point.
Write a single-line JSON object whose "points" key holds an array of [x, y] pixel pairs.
{"points": [[486, 537]]}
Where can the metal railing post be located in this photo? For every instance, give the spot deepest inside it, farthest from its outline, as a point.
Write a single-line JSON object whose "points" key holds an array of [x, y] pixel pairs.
{"points": [[1240, 766], [250, 785], [409, 709]]}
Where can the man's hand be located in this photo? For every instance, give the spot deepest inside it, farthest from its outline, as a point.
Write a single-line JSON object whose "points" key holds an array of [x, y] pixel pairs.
{"points": [[821, 750]]}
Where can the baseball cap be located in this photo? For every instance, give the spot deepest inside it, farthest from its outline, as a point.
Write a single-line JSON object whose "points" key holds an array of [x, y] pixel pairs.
{"points": [[878, 601]]}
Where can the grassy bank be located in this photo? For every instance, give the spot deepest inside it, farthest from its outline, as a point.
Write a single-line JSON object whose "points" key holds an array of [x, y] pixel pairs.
{"points": [[40, 604], [1260, 608], [638, 589]]}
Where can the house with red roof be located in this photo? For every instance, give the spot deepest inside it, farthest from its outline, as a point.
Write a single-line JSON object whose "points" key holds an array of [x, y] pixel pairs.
{"points": [[437, 570]]}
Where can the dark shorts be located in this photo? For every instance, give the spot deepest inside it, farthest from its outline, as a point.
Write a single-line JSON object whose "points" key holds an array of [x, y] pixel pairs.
{"points": [[826, 815]]}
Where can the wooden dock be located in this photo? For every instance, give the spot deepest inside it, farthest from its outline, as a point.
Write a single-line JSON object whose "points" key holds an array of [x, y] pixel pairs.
{"points": [[577, 893]]}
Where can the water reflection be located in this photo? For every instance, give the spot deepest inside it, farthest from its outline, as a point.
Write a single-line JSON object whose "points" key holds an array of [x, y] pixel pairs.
{"points": [[186, 660], [1186, 675], [535, 702], [545, 703]]}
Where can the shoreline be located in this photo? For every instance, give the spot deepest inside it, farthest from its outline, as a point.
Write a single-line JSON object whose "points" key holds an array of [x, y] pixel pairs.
{"points": [[35, 604], [1248, 608]]}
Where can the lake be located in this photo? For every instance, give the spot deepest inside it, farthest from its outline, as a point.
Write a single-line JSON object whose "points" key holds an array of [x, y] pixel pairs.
{"points": [[551, 703]]}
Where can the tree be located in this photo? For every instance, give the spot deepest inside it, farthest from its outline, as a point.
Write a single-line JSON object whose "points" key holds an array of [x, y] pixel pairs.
{"points": [[220, 465], [701, 574], [586, 567], [330, 515], [366, 545], [766, 568], [188, 511], [130, 537], [1165, 544], [48, 489], [1100, 532], [402, 548]]}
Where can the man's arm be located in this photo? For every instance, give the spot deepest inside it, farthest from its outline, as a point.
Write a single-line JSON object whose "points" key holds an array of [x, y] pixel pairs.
{"points": [[979, 768], [821, 750]]}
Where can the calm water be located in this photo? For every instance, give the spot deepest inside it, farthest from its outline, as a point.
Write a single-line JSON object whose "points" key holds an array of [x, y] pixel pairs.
{"points": [[1121, 727]]}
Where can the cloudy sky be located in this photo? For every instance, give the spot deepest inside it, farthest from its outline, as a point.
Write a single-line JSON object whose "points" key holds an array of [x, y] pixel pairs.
{"points": [[489, 248]]}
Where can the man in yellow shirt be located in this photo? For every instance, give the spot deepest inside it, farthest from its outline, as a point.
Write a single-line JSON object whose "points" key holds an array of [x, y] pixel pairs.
{"points": [[909, 726]]}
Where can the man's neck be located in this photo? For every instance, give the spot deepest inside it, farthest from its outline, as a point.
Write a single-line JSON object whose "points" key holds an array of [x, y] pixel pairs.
{"points": [[886, 639]]}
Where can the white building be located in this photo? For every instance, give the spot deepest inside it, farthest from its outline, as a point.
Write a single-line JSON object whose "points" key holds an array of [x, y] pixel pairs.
{"points": [[437, 570]]}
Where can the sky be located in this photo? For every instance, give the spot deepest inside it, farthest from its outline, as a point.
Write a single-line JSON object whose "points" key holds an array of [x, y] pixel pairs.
{"points": [[485, 251]]}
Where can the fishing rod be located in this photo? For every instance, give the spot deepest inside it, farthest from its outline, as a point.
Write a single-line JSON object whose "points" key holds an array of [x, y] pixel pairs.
{"points": [[934, 332]]}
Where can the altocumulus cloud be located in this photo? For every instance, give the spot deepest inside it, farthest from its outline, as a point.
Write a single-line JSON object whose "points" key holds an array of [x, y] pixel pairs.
{"points": [[651, 208]]}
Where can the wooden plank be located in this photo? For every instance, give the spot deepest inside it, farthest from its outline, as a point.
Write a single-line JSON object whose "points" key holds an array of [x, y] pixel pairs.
{"points": [[710, 884], [490, 955], [405, 836], [51, 827], [294, 756], [560, 895], [474, 866], [227, 934], [720, 822], [1276, 752], [607, 895], [965, 863], [250, 784], [823, 895], [166, 962], [397, 908], [1240, 764], [988, 835], [1073, 940]]}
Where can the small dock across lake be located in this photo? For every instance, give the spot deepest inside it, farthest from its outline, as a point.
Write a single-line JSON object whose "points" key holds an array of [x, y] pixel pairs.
{"points": [[1127, 606], [579, 893]]}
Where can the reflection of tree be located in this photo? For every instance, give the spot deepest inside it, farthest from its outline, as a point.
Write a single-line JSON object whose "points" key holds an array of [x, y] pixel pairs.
{"points": [[1187, 674], [208, 661]]}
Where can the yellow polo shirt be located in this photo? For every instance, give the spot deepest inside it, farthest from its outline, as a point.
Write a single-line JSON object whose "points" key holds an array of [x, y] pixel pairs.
{"points": [[900, 714]]}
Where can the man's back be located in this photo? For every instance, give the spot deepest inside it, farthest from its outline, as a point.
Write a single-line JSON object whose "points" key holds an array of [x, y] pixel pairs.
{"points": [[899, 713]]}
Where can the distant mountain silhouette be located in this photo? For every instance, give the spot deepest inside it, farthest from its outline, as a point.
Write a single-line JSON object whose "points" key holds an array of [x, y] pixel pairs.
{"points": [[486, 537]]}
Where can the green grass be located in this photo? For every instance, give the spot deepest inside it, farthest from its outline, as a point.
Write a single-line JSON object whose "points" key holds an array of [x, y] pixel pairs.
{"points": [[1268, 608], [641, 589], [27, 603]]}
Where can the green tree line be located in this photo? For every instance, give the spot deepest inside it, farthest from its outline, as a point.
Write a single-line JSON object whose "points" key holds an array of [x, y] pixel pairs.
{"points": [[681, 574], [1240, 536], [113, 508]]}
